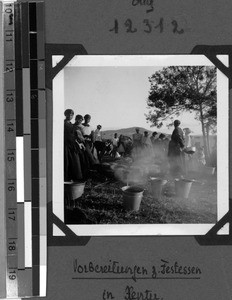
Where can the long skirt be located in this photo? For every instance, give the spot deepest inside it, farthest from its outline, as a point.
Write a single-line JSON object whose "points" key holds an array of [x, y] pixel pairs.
{"points": [[91, 154], [137, 151], [177, 165], [75, 164]]}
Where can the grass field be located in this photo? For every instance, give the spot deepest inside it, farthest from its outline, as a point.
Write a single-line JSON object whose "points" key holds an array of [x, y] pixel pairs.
{"points": [[102, 203]]}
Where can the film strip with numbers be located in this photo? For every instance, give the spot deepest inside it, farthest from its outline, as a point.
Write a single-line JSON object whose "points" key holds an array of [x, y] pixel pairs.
{"points": [[25, 148]]}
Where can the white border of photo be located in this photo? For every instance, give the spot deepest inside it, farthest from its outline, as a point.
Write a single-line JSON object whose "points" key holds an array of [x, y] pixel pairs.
{"points": [[222, 145]]}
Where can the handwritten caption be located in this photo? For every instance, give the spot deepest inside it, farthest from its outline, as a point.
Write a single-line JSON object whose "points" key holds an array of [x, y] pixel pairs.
{"points": [[149, 4], [114, 270], [131, 293], [147, 25]]}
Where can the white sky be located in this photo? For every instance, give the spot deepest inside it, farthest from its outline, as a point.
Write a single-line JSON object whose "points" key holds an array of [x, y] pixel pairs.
{"points": [[115, 97]]}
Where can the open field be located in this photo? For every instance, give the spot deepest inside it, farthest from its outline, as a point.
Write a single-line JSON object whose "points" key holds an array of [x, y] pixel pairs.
{"points": [[102, 203]]}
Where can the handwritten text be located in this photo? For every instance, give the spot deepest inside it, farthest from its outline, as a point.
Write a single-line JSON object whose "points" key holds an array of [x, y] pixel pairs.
{"points": [[147, 26], [162, 270]]}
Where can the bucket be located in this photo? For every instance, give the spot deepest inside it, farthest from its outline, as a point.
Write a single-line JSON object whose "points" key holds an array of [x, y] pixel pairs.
{"points": [[74, 190], [182, 187], [132, 197], [157, 186]]}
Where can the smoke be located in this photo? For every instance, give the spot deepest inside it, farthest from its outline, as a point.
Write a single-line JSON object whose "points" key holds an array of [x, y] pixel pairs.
{"points": [[135, 170]]}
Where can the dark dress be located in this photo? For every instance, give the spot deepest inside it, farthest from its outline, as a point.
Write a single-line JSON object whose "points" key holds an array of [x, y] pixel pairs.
{"points": [[89, 159], [175, 153], [73, 161]]}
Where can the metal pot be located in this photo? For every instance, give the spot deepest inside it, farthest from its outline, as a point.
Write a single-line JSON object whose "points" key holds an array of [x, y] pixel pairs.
{"points": [[190, 150]]}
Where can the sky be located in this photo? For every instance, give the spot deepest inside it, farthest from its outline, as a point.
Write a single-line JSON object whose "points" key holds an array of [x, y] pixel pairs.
{"points": [[113, 89], [115, 97]]}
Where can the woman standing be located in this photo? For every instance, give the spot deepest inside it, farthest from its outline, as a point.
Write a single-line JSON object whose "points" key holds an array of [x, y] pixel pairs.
{"points": [[137, 143], [98, 134], [189, 161], [147, 150], [99, 145], [72, 164], [175, 151], [88, 159], [121, 148], [187, 137], [88, 131], [115, 142]]}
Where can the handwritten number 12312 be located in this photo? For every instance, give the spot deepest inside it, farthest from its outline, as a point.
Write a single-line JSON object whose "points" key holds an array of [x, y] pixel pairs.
{"points": [[148, 26]]}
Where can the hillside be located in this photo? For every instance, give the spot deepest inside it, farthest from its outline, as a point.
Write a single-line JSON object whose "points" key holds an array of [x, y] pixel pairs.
{"points": [[108, 134]]}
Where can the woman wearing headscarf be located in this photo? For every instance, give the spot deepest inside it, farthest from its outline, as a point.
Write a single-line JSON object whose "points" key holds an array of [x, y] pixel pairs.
{"points": [[87, 156], [72, 164], [153, 137], [98, 134], [137, 143], [121, 147], [175, 151], [147, 148]]}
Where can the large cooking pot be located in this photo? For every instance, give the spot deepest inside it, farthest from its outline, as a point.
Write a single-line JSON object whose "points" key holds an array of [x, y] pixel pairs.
{"points": [[190, 150]]}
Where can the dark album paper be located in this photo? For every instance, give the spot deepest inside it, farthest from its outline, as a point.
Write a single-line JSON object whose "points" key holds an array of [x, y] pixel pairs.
{"points": [[143, 214]]}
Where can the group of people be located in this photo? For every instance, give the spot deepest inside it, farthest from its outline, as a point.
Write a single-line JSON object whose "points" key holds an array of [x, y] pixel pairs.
{"points": [[79, 138], [170, 153], [140, 145], [84, 147], [144, 145]]}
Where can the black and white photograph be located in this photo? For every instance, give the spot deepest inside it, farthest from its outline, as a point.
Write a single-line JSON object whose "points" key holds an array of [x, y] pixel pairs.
{"points": [[140, 140]]}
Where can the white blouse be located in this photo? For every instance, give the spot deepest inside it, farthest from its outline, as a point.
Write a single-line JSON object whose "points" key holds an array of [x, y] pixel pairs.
{"points": [[86, 130]]}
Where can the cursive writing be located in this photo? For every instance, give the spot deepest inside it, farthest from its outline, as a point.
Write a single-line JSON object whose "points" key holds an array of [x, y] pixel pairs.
{"points": [[131, 294], [113, 267], [163, 269], [167, 268], [148, 3]]}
